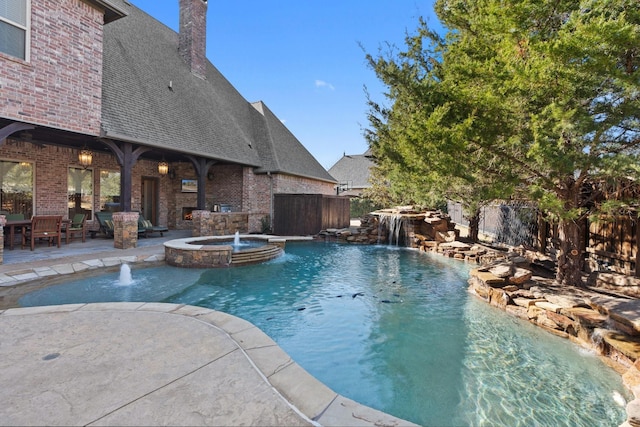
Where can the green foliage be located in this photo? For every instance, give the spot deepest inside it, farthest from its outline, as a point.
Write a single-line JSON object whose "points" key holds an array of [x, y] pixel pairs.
{"points": [[361, 206], [265, 224], [527, 97], [521, 98]]}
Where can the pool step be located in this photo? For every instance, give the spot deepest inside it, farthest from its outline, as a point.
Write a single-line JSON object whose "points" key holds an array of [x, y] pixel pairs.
{"points": [[251, 256]]}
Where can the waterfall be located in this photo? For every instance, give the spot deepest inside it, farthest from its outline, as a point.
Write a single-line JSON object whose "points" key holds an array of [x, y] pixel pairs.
{"points": [[517, 225], [393, 223], [236, 239]]}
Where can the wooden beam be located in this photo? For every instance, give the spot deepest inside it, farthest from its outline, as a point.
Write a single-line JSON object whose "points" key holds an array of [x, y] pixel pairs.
{"points": [[201, 166], [127, 158], [12, 128]]}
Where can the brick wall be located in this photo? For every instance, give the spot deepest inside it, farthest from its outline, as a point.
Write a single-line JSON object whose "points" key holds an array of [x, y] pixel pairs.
{"points": [[256, 198], [241, 188], [60, 84], [226, 187], [193, 35], [235, 185], [296, 184], [51, 167]]}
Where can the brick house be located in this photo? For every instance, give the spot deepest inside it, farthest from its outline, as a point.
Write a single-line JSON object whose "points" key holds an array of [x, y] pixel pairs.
{"points": [[102, 107], [352, 172]]}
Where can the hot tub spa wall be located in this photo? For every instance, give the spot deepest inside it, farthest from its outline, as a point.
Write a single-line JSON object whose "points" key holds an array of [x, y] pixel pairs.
{"points": [[198, 256], [206, 223]]}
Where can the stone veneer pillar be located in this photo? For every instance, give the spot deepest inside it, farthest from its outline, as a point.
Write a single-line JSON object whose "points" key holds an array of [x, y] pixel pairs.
{"points": [[3, 222], [125, 230], [201, 223]]}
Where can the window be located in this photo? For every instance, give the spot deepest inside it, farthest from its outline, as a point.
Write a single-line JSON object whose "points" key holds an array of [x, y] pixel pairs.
{"points": [[16, 188], [80, 192], [109, 190], [14, 27]]}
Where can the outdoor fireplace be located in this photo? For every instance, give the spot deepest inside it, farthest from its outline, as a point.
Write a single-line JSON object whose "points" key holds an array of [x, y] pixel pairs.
{"points": [[187, 213]]}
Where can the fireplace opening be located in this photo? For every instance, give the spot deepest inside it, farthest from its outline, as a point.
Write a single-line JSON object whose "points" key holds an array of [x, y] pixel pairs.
{"points": [[187, 214]]}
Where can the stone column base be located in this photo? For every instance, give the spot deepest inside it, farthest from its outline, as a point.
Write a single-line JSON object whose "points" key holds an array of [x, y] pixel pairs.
{"points": [[125, 230]]}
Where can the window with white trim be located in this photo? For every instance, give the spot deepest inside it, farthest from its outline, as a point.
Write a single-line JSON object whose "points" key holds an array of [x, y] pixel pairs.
{"points": [[14, 27]]}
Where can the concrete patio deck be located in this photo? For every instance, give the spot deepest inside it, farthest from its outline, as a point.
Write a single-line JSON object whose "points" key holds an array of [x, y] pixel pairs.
{"points": [[146, 363]]}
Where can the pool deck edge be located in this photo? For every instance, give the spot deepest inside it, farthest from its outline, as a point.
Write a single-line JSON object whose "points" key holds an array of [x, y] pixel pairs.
{"points": [[292, 396]]}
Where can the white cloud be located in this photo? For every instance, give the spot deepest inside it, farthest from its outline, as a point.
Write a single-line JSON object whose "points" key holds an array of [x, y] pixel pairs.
{"points": [[322, 83]]}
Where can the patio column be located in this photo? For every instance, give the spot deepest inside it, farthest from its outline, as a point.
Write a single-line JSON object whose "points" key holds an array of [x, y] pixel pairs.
{"points": [[201, 223], [125, 230], [201, 166], [3, 222], [127, 158]]}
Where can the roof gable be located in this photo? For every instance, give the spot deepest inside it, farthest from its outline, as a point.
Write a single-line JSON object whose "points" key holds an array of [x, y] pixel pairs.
{"points": [[282, 152], [151, 97], [354, 169]]}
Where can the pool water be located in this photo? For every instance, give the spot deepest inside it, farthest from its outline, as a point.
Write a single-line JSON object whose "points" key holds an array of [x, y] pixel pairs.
{"points": [[237, 247], [391, 328]]}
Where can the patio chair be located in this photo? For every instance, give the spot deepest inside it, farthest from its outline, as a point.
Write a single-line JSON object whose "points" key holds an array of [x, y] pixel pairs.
{"points": [[78, 225], [146, 227], [105, 220], [43, 227]]}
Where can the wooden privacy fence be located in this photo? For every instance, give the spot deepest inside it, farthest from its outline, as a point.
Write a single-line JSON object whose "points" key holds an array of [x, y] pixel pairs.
{"points": [[613, 241], [308, 214]]}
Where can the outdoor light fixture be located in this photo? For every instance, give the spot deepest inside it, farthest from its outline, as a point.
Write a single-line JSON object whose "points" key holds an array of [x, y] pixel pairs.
{"points": [[163, 167], [85, 157]]}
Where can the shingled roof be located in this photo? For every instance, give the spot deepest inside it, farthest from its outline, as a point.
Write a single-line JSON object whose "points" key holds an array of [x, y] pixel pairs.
{"points": [[150, 97], [353, 169]]}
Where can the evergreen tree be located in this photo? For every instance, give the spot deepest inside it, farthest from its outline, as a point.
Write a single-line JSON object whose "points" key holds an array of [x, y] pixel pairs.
{"points": [[533, 99]]}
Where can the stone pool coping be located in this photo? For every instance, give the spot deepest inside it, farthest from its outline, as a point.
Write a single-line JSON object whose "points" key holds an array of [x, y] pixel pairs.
{"points": [[157, 364], [189, 243]]}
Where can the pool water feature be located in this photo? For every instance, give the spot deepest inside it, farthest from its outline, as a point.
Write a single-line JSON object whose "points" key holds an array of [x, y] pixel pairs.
{"points": [[238, 246], [125, 278], [391, 328]]}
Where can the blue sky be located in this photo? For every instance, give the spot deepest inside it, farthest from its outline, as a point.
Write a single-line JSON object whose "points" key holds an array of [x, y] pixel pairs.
{"points": [[305, 60]]}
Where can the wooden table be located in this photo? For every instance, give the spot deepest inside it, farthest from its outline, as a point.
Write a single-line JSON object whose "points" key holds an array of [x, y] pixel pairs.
{"points": [[23, 223]]}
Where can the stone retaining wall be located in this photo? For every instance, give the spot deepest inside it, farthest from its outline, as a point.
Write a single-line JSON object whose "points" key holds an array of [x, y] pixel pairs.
{"points": [[414, 227], [584, 317]]}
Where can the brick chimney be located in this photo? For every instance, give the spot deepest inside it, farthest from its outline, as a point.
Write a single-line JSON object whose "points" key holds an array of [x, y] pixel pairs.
{"points": [[193, 35]]}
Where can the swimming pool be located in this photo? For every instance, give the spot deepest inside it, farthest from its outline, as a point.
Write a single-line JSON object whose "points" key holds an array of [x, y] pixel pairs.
{"points": [[391, 328]]}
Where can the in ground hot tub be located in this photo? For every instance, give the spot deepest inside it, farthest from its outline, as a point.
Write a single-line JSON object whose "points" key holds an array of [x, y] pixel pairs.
{"points": [[220, 251]]}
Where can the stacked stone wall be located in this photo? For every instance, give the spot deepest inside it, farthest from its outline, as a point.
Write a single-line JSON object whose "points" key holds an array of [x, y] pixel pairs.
{"points": [[206, 223], [416, 229], [199, 257], [125, 230]]}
